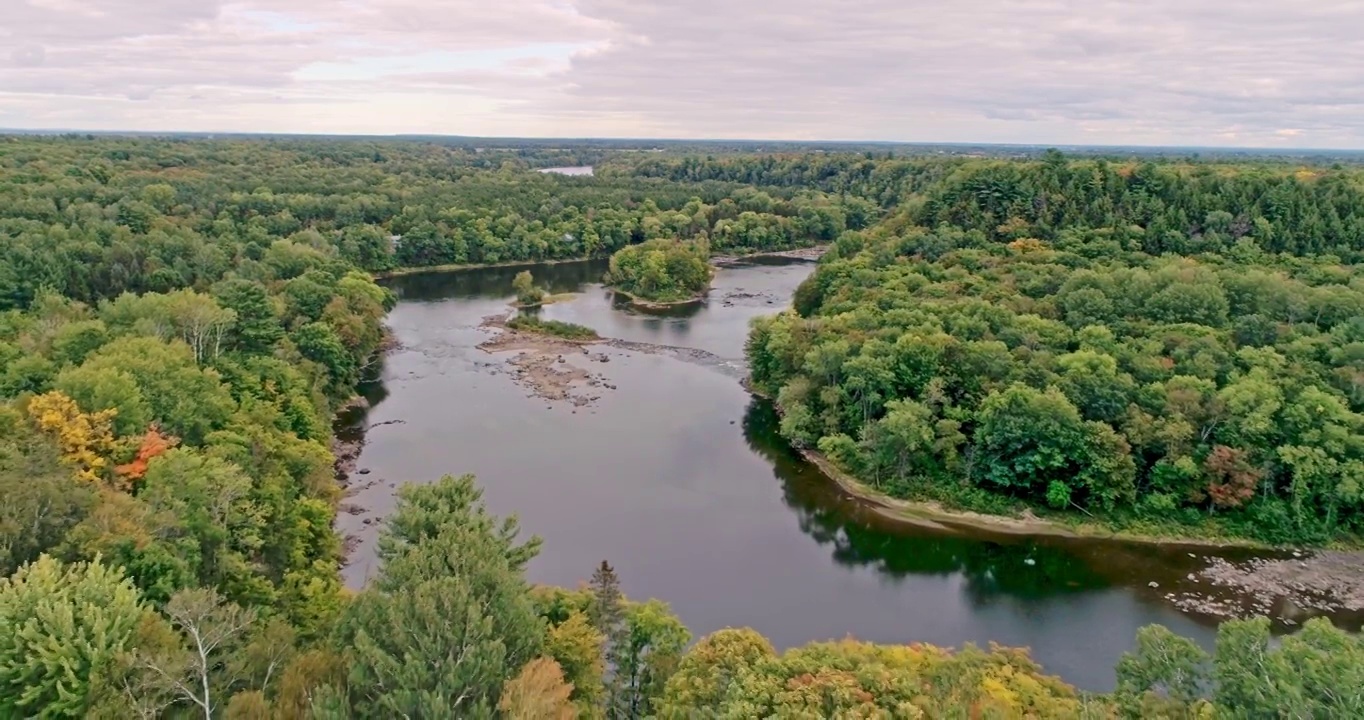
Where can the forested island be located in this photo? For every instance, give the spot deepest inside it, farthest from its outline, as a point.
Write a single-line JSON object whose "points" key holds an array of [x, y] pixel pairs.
{"points": [[1159, 345], [661, 272]]}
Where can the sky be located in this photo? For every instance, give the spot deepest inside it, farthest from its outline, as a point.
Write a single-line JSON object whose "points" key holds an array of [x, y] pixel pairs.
{"points": [[1256, 73]]}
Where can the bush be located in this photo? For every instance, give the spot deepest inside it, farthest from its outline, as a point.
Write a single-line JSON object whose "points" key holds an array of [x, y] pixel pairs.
{"points": [[570, 331]]}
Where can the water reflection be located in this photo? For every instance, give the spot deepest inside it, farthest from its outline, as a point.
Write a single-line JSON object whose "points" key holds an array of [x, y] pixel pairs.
{"points": [[622, 303], [494, 282], [726, 523], [1023, 569]]}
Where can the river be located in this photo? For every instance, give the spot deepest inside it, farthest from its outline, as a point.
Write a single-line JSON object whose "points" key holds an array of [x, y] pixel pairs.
{"points": [[676, 475]]}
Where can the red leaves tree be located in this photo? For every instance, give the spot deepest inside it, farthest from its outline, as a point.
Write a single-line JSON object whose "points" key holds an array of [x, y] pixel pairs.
{"points": [[153, 443], [1231, 478]]}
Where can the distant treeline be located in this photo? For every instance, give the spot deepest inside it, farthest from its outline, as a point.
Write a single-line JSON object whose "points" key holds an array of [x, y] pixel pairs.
{"points": [[93, 218]]}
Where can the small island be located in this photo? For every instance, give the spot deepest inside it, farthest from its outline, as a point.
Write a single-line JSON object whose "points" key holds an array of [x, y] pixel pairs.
{"points": [[661, 272], [556, 328], [530, 296]]}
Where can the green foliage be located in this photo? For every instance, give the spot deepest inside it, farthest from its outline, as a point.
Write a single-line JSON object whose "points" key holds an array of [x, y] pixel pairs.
{"points": [[1175, 341], [736, 673], [1315, 673], [321, 344], [449, 620], [42, 499], [1164, 675], [245, 504], [662, 270], [527, 294], [557, 328], [210, 502], [617, 653], [93, 218], [577, 646], [64, 624], [194, 656], [155, 381], [1081, 375], [653, 643], [256, 328]]}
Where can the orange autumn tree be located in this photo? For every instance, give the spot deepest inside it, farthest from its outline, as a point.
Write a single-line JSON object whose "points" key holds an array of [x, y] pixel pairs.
{"points": [[153, 443], [538, 692], [85, 439]]}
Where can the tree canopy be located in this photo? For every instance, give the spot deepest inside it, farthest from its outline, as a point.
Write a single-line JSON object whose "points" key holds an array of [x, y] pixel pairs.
{"points": [[1139, 340], [1202, 388], [661, 270]]}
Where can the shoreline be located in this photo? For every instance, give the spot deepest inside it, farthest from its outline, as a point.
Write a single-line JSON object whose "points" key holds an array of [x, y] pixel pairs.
{"points": [[933, 514], [549, 299], [456, 267], [647, 304], [1247, 579], [811, 253], [929, 513]]}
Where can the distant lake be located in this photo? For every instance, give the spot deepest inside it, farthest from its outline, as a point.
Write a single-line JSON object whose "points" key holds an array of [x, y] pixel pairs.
{"points": [[573, 170]]}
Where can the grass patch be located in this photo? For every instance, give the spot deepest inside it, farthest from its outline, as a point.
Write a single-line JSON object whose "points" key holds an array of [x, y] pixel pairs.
{"points": [[569, 331], [546, 300]]}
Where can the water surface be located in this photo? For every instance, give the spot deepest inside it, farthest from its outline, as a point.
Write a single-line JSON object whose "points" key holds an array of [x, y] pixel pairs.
{"points": [[678, 478], [573, 170]]}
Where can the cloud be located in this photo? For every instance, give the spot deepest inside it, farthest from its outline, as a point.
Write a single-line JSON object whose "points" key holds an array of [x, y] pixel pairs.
{"points": [[1044, 71]]}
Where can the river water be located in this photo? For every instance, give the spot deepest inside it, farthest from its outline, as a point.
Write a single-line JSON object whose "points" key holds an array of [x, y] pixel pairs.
{"points": [[678, 478]]}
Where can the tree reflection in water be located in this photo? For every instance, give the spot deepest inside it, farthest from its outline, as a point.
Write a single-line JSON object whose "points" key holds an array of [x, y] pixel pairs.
{"points": [[992, 568]]}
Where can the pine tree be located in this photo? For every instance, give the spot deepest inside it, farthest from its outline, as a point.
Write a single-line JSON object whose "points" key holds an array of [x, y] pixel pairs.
{"points": [[450, 619], [607, 614], [60, 626]]}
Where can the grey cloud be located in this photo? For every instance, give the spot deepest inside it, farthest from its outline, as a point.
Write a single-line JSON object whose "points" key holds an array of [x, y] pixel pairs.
{"points": [[57, 20], [1158, 71], [28, 55], [935, 70]]}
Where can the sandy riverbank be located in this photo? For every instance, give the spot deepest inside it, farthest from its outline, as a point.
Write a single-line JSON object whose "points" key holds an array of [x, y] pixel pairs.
{"points": [[925, 513], [933, 514], [807, 253]]}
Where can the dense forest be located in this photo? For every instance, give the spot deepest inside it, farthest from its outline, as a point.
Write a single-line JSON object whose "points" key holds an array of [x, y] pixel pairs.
{"points": [[1091, 349], [90, 219], [180, 320]]}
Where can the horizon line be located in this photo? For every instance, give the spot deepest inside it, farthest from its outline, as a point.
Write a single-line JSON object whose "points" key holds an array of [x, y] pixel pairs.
{"points": [[12, 131]]}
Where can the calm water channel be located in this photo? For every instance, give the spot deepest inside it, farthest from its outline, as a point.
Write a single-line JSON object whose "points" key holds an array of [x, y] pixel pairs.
{"points": [[678, 478]]}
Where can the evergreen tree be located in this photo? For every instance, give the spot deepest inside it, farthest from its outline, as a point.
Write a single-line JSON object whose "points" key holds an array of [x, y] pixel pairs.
{"points": [[607, 614], [257, 328], [60, 626], [450, 619]]}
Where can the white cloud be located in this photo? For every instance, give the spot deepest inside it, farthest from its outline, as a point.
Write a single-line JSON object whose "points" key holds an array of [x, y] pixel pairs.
{"points": [[1260, 72]]}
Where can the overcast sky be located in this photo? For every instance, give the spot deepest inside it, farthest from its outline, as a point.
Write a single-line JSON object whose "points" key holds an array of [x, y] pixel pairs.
{"points": [[1278, 73]]}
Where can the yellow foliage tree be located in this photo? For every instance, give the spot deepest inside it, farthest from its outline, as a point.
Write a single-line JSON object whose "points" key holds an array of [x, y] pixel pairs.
{"points": [[86, 439], [1028, 245], [538, 692], [736, 673], [577, 647]]}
